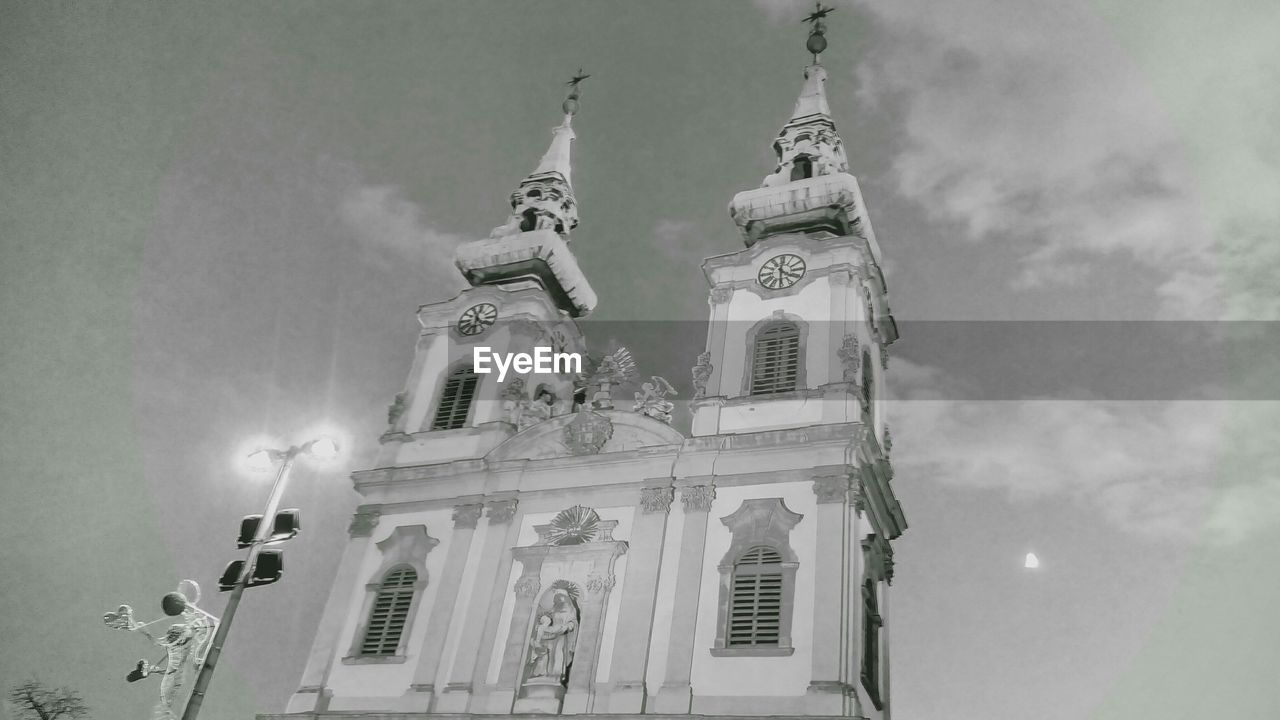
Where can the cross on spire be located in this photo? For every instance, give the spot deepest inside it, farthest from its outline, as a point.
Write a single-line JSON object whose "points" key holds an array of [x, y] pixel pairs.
{"points": [[817, 20]]}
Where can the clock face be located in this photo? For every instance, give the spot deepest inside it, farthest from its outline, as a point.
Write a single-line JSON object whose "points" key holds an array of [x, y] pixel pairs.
{"points": [[477, 318], [781, 271]]}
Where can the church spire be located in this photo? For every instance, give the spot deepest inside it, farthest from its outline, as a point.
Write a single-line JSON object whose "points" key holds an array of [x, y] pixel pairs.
{"points": [[532, 245], [545, 198], [811, 161]]}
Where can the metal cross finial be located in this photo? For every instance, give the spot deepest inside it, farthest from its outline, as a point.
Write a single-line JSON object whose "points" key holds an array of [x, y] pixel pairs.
{"points": [[575, 81], [816, 17]]}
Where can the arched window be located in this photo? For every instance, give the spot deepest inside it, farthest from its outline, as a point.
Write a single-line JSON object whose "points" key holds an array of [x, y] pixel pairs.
{"points": [[775, 359], [801, 167], [390, 612], [528, 220], [868, 380], [755, 604], [455, 399]]}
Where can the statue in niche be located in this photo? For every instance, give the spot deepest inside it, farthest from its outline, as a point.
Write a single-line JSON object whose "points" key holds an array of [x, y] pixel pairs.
{"points": [[534, 411], [849, 357], [652, 399], [555, 633]]}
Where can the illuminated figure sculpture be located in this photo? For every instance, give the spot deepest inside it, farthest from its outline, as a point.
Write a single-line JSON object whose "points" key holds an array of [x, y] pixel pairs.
{"points": [[186, 643]]}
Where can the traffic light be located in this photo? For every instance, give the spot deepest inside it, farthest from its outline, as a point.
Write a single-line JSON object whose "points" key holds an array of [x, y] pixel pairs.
{"points": [[268, 569], [287, 524]]}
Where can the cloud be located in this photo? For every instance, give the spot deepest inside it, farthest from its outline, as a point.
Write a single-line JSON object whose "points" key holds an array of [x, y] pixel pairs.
{"points": [[1161, 470], [1085, 140], [391, 231]]}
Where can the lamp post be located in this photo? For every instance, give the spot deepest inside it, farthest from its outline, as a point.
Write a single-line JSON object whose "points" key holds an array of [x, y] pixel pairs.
{"points": [[322, 448]]}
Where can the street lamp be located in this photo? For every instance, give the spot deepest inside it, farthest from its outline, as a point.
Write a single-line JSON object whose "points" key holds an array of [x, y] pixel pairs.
{"points": [[322, 448]]}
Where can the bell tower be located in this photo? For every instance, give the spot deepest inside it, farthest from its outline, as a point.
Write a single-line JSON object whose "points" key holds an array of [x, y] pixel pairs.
{"points": [[799, 318], [526, 290]]}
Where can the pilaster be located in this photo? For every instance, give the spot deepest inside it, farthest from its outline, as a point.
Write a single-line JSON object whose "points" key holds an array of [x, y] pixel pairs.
{"points": [[465, 518], [675, 697], [480, 627], [312, 695], [639, 594], [826, 685]]}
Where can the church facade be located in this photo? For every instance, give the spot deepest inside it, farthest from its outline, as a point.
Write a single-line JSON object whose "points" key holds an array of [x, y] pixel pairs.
{"points": [[541, 546]]}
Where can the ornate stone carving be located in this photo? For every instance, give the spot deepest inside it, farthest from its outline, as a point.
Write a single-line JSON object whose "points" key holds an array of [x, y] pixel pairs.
{"points": [[652, 400], [831, 489], [857, 498], [721, 293], [888, 441], [512, 397], [501, 511], [702, 374], [598, 583], [614, 369], [656, 499], [587, 433], [364, 521], [396, 409], [884, 357], [850, 356], [466, 516], [697, 498], [527, 586], [886, 560], [573, 526]]}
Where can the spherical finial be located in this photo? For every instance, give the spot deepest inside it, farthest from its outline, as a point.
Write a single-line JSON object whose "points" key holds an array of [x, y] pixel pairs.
{"points": [[570, 105], [816, 43]]}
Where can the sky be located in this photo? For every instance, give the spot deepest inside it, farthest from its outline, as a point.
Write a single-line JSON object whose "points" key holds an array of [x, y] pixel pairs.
{"points": [[218, 219]]}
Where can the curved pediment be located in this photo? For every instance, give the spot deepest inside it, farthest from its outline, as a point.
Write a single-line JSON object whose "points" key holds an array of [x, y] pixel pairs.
{"points": [[586, 432]]}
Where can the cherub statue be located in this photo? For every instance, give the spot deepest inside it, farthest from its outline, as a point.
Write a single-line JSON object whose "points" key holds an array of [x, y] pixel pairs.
{"points": [[536, 410], [652, 399], [186, 643]]}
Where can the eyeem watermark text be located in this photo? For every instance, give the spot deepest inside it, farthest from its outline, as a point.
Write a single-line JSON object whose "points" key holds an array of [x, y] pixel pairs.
{"points": [[541, 362]]}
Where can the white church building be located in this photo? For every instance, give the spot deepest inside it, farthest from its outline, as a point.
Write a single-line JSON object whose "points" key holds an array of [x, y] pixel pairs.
{"points": [[542, 545]]}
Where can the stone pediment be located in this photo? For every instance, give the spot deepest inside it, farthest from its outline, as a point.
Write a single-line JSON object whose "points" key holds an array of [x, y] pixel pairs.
{"points": [[586, 433]]}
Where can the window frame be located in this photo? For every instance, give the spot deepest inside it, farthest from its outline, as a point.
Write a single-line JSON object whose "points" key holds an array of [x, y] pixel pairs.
{"points": [[752, 339], [758, 522], [461, 370], [397, 592], [406, 546]]}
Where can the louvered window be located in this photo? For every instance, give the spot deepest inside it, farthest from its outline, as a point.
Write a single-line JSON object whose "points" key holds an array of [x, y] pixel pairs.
{"points": [[390, 612], [455, 401], [775, 360], [871, 623], [755, 609]]}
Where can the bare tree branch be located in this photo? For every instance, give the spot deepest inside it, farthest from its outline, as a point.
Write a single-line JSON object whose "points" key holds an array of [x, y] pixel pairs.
{"points": [[36, 701]]}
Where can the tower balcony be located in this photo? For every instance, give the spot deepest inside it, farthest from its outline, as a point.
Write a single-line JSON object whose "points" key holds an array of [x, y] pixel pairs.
{"points": [[538, 255], [827, 202]]}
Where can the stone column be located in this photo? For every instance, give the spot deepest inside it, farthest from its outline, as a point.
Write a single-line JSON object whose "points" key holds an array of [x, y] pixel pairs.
{"points": [[465, 518], [826, 686], [639, 593], [676, 695], [312, 695], [853, 669], [488, 592]]}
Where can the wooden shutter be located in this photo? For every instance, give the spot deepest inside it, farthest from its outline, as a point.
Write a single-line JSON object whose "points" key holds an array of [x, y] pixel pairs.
{"points": [[775, 360], [755, 602], [455, 401], [390, 612]]}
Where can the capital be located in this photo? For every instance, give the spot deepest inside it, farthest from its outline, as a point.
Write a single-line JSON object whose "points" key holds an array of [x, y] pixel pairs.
{"points": [[501, 511], [697, 498], [364, 521], [466, 516], [656, 499]]}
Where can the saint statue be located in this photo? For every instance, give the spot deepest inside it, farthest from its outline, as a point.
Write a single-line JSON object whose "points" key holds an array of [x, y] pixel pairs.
{"points": [[554, 635]]}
